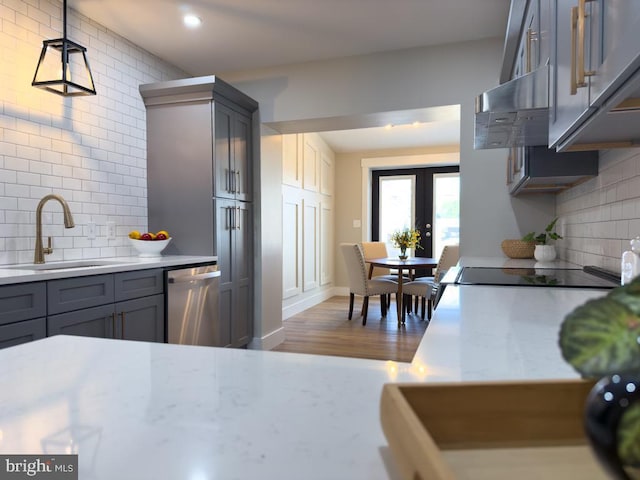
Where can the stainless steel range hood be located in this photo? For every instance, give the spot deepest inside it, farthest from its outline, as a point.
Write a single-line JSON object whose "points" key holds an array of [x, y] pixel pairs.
{"points": [[515, 113]]}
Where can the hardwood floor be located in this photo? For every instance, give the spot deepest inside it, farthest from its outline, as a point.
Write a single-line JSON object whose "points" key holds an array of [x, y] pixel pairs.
{"points": [[325, 330]]}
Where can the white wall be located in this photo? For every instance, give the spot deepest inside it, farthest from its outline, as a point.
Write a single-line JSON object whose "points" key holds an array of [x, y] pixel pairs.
{"points": [[599, 217], [415, 78], [268, 247], [91, 150]]}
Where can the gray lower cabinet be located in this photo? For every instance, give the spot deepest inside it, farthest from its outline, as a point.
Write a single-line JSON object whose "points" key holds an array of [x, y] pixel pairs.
{"points": [[234, 246], [22, 332], [128, 306], [139, 319], [22, 312]]}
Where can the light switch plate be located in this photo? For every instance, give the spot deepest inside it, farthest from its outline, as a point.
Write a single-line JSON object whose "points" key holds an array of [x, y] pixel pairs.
{"points": [[111, 230], [357, 223], [91, 230]]}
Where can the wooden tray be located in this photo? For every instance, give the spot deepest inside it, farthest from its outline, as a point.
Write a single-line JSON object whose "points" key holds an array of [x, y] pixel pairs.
{"points": [[489, 430]]}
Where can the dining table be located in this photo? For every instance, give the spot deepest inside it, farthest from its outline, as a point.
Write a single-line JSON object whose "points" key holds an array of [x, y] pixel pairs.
{"points": [[408, 265]]}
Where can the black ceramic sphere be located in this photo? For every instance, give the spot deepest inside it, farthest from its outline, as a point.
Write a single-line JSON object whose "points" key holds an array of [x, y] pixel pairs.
{"points": [[606, 404]]}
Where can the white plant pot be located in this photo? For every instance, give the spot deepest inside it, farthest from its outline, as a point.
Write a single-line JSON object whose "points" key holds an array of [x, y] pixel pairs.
{"points": [[545, 253]]}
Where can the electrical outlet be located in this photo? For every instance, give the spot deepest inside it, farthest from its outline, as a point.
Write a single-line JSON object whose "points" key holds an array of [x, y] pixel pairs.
{"points": [[91, 230], [111, 230]]}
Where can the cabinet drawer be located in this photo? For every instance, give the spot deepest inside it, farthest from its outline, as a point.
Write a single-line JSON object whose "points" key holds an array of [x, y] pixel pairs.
{"points": [[70, 294], [22, 302], [22, 332], [96, 322], [138, 283]]}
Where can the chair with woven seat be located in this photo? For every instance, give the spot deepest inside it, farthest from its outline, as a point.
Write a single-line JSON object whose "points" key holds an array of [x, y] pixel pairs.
{"points": [[360, 284], [427, 288]]}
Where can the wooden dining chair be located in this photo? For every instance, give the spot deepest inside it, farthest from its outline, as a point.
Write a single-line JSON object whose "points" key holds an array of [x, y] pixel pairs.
{"points": [[360, 284]]}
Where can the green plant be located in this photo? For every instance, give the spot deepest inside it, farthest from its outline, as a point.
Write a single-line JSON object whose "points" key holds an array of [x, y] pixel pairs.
{"points": [[602, 338], [542, 238]]}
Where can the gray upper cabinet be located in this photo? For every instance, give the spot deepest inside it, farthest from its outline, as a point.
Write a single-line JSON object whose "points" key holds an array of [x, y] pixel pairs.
{"points": [[570, 96], [595, 75], [233, 173]]}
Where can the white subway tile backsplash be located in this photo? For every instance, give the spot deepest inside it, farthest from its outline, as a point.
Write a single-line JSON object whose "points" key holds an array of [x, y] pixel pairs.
{"points": [[602, 215], [90, 150]]}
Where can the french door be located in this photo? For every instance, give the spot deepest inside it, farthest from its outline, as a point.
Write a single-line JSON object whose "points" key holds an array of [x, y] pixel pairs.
{"points": [[424, 198]]}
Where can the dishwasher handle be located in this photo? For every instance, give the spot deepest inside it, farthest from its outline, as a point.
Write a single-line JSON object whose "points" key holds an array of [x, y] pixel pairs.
{"points": [[191, 278]]}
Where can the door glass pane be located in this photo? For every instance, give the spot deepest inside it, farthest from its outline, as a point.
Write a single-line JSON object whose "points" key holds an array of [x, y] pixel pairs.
{"points": [[397, 207], [446, 211]]}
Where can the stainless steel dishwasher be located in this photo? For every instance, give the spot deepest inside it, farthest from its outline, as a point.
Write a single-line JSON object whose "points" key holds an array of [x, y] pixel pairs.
{"points": [[192, 307]]}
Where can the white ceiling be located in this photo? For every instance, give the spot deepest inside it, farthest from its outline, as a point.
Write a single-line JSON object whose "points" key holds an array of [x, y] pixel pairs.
{"points": [[247, 34]]}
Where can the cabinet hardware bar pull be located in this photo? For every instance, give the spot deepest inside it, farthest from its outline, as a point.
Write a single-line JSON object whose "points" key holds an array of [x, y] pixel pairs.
{"points": [[122, 317], [574, 21], [227, 180], [238, 218], [232, 174], [238, 181], [582, 73], [528, 56], [233, 212]]}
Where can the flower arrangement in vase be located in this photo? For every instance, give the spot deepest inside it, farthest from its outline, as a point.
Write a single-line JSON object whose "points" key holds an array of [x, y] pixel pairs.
{"points": [[406, 238]]}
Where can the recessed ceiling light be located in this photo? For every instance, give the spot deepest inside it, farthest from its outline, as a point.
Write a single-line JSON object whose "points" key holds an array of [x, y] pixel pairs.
{"points": [[192, 21]]}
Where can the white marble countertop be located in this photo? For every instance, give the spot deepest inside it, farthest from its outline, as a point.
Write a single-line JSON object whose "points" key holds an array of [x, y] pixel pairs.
{"points": [[137, 410], [22, 273]]}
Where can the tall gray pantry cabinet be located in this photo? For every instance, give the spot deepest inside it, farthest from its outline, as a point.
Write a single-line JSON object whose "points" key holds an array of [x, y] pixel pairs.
{"points": [[200, 156]]}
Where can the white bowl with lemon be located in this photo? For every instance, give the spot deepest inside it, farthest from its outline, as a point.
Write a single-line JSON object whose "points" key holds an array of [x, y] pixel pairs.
{"points": [[149, 245]]}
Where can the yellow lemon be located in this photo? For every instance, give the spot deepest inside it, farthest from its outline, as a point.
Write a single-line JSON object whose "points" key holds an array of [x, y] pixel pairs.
{"points": [[153, 236], [135, 234]]}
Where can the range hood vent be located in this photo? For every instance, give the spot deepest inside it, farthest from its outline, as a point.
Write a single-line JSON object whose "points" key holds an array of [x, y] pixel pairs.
{"points": [[514, 114]]}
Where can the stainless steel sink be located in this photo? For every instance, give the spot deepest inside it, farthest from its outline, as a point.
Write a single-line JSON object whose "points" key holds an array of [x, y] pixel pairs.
{"points": [[65, 265]]}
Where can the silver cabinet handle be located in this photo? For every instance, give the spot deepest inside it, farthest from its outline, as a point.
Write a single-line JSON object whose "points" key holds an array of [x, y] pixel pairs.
{"points": [[237, 190], [238, 212], [229, 215], [192, 278]]}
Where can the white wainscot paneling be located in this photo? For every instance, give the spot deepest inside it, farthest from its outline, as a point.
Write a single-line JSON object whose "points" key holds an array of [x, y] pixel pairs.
{"points": [[310, 263], [311, 154], [291, 243], [291, 160], [326, 242], [326, 173]]}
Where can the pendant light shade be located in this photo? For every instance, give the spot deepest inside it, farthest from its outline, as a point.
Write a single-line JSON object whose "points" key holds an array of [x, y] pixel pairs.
{"points": [[63, 67]]}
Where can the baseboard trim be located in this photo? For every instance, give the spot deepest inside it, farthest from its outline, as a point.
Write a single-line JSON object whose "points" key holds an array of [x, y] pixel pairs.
{"points": [[305, 303], [269, 341]]}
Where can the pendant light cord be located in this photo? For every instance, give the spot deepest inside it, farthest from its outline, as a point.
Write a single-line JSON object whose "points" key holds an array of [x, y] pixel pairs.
{"points": [[64, 19]]}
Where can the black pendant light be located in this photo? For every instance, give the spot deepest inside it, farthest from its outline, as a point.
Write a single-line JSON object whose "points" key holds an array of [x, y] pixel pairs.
{"points": [[63, 67]]}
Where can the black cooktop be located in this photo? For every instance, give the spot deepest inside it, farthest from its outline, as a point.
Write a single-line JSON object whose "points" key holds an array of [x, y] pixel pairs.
{"points": [[538, 277]]}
